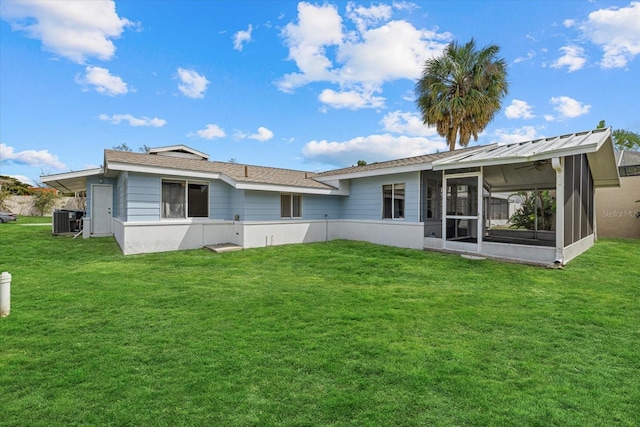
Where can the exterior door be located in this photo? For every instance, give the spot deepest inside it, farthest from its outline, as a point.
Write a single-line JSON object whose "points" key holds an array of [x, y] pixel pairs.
{"points": [[101, 207], [462, 227]]}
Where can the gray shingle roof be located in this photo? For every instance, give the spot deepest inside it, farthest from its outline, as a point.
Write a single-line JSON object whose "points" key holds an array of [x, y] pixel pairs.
{"points": [[254, 174], [424, 159]]}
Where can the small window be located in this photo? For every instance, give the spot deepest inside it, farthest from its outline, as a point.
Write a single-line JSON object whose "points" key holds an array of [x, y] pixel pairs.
{"points": [[198, 200], [291, 205], [393, 201], [182, 199], [173, 199]]}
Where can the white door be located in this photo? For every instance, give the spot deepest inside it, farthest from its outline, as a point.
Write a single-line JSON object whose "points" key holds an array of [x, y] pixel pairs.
{"points": [[101, 206]]}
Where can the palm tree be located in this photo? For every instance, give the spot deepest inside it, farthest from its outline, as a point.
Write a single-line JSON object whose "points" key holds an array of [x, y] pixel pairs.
{"points": [[461, 91]]}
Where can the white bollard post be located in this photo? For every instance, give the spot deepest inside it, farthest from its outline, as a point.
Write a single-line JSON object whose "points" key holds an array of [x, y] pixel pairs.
{"points": [[5, 294]]}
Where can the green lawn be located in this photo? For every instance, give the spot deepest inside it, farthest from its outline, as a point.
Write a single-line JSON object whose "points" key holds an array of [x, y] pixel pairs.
{"points": [[339, 333]]}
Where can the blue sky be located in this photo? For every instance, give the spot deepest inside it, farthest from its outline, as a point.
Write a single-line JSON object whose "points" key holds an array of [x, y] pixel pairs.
{"points": [[300, 85]]}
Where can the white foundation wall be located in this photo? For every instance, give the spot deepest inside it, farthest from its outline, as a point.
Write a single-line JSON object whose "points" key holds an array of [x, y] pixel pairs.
{"points": [[402, 234], [575, 249], [138, 238], [273, 233], [525, 253]]}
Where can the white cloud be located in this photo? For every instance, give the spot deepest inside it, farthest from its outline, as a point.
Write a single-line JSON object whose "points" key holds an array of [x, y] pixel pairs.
{"points": [[407, 123], [573, 58], [405, 5], [364, 17], [24, 179], [192, 84], [102, 81], [359, 61], [396, 50], [29, 157], [352, 99], [529, 56], [616, 31], [569, 107], [371, 148], [318, 28], [76, 30], [569, 23], [549, 117], [210, 131], [242, 37], [263, 134], [133, 121], [509, 136], [519, 110]]}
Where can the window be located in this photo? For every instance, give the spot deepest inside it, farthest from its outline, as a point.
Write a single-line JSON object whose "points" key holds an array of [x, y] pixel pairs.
{"points": [[182, 199], [499, 208], [198, 206], [291, 205], [393, 201]]}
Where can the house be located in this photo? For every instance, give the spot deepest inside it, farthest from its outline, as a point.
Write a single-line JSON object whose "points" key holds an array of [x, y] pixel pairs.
{"points": [[618, 208], [174, 198]]}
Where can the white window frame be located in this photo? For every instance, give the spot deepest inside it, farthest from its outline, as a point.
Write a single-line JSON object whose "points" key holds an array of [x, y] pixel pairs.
{"points": [[292, 198], [393, 199], [185, 183]]}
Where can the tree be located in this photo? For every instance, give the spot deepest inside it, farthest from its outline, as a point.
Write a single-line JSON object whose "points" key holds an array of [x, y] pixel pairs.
{"points": [[14, 186], [362, 163], [461, 91], [623, 139], [122, 147], [44, 199]]}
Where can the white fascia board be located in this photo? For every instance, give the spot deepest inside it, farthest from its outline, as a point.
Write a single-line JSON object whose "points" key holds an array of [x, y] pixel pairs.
{"points": [[571, 151], [154, 170], [376, 172], [342, 191], [71, 175]]}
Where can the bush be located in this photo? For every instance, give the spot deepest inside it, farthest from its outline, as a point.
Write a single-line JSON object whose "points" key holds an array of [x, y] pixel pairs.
{"points": [[44, 200], [536, 205]]}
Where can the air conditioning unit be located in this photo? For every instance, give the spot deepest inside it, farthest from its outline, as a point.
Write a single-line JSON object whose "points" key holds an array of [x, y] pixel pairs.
{"points": [[61, 222], [67, 221]]}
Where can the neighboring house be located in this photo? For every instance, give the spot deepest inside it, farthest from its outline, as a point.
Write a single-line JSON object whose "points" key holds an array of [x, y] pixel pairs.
{"points": [[175, 198], [617, 209]]}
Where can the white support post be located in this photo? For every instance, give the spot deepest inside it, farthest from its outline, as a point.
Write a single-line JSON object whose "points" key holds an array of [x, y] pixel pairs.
{"points": [[5, 294], [558, 165]]}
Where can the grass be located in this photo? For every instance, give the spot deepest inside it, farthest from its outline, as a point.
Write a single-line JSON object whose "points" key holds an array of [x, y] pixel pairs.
{"points": [[339, 333]]}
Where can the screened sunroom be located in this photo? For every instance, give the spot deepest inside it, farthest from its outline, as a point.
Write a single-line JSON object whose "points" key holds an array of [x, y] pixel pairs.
{"points": [[542, 192]]}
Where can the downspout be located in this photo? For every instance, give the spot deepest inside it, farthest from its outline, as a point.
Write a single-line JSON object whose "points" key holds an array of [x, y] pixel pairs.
{"points": [[558, 165]]}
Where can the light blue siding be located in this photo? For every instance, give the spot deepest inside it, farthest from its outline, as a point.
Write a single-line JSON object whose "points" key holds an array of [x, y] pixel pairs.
{"points": [[120, 210], [365, 200], [137, 198], [261, 206], [265, 206], [143, 197], [237, 204], [220, 200], [316, 206]]}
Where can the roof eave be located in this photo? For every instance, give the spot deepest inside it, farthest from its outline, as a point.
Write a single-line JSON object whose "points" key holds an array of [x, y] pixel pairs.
{"points": [[70, 182]]}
